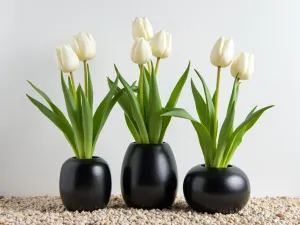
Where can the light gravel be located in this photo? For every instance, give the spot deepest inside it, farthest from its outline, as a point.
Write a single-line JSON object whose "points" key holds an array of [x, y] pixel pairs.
{"points": [[47, 210]]}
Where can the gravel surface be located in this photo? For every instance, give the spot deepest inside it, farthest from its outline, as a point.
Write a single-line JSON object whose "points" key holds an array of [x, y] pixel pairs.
{"points": [[46, 210]]}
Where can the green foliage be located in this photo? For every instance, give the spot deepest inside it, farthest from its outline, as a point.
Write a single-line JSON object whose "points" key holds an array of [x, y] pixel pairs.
{"points": [[217, 149], [84, 128], [143, 110]]}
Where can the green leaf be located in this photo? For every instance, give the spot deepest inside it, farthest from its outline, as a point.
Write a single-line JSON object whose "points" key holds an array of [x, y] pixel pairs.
{"points": [[135, 109], [180, 113], [200, 104], [100, 113], [71, 108], [87, 124], [57, 121], [79, 107], [155, 109], [111, 104], [90, 88], [132, 129], [203, 134], [225, 132], [140, 94], [124, 102], [234, 94], [251, 112], [210, 111], [173, 101], [70, 85], [146, 97], [205, 141], [55, 109], [237, 136], [214, 98], [148, 76]]}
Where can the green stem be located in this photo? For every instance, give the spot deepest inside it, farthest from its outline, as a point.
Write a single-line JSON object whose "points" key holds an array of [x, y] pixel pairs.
{"points": [[85, 79], [157, 64], [141, 89], [73, 86], [149, 67], [216, 106]]}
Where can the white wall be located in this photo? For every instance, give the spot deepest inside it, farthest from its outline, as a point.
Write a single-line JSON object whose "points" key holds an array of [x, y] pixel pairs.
{"points": [[32, 149]]}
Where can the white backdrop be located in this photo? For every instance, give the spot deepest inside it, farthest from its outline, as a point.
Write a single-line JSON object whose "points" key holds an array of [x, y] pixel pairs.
{"points": [[32, 149]]}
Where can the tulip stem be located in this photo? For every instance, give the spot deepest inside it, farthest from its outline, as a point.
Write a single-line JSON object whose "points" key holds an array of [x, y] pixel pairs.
{"points": [[216, 105], [85, 79], [141, 89], [157, 64], [149, 67], [73, 86]]}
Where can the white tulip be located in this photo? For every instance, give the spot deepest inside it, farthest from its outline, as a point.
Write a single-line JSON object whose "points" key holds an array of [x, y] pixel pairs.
{"points": [[141, 27], [161, 44], [66, 59], [84, 45], [222, 52], [140, 51], [243, 65]]}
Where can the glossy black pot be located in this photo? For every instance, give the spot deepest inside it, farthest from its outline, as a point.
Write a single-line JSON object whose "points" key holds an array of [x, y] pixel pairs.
{"points": [[149, 176], [85, 184], [216, 190]]}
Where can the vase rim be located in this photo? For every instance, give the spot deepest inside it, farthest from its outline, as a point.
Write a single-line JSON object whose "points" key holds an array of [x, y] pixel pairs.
{"points": [[148, 143], [94, 157], [229, 166]]}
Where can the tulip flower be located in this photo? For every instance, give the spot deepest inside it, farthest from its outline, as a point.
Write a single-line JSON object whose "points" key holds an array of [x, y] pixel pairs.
{"points": [[161, 44], [141, 27], [141, 51], [243, 66], [84, 45], [66, 59], [222, 52]]}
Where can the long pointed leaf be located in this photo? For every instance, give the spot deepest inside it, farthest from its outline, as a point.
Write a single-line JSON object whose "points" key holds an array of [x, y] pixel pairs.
{"points": [[87, 124], [224, 136], [234, 94], [55, 109], [200, 104], [237, 135], [173, 101], [155, 109], [124, 102], [135, 109], [58, 122], [101, 111], [71, 108], [134, 132], [203, 134], [210, 111]]}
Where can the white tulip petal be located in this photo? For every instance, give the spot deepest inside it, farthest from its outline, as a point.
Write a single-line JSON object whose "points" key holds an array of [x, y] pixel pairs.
{"points": [[227, 53], [85, 46], [66, 59], [141, 27], [243, 65], [141, 51], [161, 44], [216, 52]]}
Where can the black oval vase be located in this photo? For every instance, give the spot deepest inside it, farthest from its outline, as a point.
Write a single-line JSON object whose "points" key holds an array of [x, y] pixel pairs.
{"points": [[216, 190], [149, 176], [85, 184]]}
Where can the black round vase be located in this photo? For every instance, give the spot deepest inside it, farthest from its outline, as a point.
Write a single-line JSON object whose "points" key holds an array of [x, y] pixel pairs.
{"points": [[216, 190], [85, 184], [149, 176]]}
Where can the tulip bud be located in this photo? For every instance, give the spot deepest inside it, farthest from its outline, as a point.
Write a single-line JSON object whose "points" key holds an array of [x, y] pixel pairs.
{"points": [[141, 51], [141, 27], [66, 59], [84, 45], [243, 65], [161, 44], [222, 52]]}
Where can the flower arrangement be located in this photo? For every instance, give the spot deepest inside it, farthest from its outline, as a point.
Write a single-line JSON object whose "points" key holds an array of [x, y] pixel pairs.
{"points": [[83, 127], [218, 149], [142, 104]]}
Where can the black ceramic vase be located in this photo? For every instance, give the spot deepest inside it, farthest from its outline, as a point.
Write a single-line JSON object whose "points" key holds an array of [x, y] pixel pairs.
{"points": [[85, 184], [149, 176], [216, 190]]}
